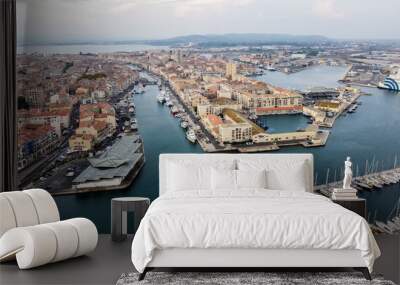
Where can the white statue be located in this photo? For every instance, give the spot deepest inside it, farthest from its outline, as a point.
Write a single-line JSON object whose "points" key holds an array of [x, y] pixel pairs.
{"points": [[348, 174]]}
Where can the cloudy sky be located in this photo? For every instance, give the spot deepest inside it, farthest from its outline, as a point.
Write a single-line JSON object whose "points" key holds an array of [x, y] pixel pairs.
{"points": [[50, 21]]}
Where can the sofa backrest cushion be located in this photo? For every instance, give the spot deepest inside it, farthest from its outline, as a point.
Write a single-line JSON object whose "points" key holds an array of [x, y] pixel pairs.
{"points": [[26, 208], [228, 161], [7, 219]]}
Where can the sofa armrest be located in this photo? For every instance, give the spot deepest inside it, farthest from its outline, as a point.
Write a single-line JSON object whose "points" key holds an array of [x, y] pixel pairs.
{"points": [[41, 244], [32, 246]]}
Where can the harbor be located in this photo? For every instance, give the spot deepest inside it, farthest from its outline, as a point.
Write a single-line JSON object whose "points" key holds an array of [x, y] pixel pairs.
{"points": [[198, 132], [352, 135]]}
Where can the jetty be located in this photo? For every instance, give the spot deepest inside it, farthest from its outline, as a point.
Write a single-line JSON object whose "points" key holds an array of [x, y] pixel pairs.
{"points": [[344, 107], [368, 182]]}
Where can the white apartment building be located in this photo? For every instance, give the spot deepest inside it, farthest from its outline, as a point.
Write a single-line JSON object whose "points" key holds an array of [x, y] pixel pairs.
{"points": [[234, 132], [273, 103], [212, 108]]}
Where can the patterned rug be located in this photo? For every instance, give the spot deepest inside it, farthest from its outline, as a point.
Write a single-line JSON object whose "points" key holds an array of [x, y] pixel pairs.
{"points": [[244, 278]]}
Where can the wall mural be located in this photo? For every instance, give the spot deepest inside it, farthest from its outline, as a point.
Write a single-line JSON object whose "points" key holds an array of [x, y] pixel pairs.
{"points": [[102, 91]]}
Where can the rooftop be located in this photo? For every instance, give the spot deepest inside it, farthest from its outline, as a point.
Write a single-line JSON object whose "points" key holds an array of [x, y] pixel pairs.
{"points": [[214, 120], [118, 161], [240, 119], [223, 101]]}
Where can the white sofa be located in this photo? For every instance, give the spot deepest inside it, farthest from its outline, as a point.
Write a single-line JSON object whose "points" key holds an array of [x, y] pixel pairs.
{"points": [[31, 231]]}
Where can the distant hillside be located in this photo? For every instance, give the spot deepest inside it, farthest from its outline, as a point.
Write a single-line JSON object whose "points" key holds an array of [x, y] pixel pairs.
{"points": [[211, 40], [240, 39]]}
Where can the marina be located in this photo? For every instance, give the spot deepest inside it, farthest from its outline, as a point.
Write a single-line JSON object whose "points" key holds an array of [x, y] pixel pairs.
{"points": [[368, 182]]}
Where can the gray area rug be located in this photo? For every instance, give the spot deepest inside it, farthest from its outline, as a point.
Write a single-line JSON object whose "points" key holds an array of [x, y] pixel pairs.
{"points": [[229, 278]]}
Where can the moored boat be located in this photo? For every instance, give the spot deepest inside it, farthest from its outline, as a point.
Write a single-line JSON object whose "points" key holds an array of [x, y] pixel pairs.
{"points": [[191, 136], [161, 99], [184, 124], [134, 127], [174, 110]]}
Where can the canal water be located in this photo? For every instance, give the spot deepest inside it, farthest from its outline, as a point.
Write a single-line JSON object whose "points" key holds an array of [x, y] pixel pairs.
{"points": [[372, 133], [161, 133]]}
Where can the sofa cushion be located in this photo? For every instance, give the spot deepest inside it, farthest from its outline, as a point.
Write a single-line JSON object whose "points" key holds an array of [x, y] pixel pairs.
{"points": [[41, 244], [23, 208], [45, 205], [7, 218]]}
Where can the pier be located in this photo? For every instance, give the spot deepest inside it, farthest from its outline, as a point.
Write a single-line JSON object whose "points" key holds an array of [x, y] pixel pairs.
{"points": [[329, 122], [368, 182]]}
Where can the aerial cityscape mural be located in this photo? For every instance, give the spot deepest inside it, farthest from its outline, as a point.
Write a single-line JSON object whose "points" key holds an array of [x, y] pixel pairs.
{"points": [[98, 101]]}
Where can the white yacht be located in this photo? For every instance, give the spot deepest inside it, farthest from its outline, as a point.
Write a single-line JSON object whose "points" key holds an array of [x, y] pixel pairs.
{"points": [[134, 127], [139, 90], [253, 117], [184, 124], [191, 136], [174, 110], [161, 99], [123, 103]]}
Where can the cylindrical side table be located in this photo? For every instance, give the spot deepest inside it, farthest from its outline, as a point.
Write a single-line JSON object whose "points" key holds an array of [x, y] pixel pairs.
{"points": [[119, 208]]}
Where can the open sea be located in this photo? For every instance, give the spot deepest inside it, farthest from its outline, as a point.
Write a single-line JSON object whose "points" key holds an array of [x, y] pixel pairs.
{"points": [[372, 133]]}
